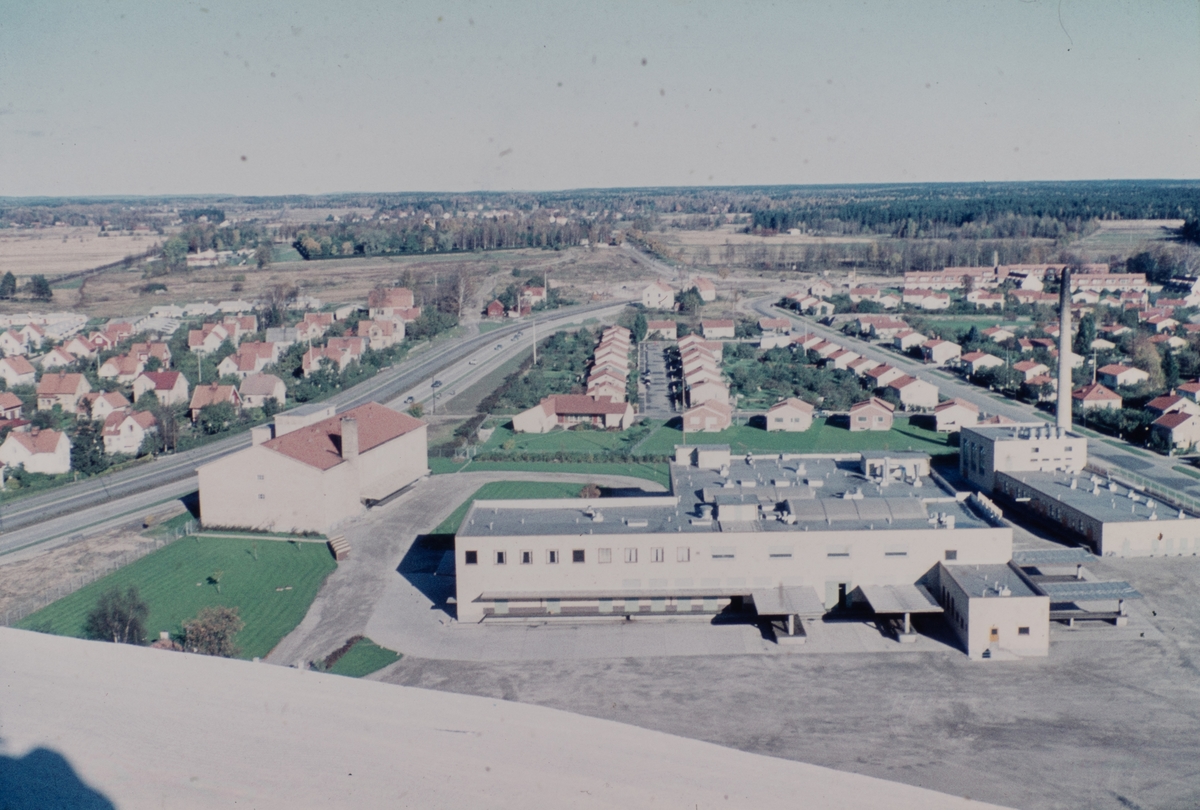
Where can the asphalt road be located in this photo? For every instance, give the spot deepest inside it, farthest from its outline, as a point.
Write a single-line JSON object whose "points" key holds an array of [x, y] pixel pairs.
{"points": [[164, 473], [1144, 463]]}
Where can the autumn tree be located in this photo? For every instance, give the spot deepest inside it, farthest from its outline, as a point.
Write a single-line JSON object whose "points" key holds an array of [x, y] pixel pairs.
{"points": [[212, 632]]}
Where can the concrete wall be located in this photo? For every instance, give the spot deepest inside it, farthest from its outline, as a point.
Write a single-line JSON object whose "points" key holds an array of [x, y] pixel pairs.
{"points": [[980, 458], [726, 562], [972, 619]]}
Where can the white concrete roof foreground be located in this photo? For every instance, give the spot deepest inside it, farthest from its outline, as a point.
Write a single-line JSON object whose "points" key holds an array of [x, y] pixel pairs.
{"points": [[151, 728]]}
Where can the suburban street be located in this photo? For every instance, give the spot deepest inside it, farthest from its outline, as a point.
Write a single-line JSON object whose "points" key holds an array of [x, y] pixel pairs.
{"points": [[1142, 462], [161, 478]]}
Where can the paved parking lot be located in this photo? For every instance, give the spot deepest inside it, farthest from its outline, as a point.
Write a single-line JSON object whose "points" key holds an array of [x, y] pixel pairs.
{"points": [[655, 393]]}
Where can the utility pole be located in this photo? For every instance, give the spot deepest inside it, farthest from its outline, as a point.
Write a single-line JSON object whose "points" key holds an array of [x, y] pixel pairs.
{"points": [[535, 341]]}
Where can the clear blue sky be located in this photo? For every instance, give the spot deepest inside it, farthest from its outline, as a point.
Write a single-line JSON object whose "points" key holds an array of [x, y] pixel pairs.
{"points": [[309, 97]]}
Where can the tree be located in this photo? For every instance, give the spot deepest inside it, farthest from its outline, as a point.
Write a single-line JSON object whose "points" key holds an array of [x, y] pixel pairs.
{"points": [[39, 288], [175, 253], [212, 632], [640, 327], [1170, 369], [153, 364], [689, 301], [118, 617], [263, 255], [168, 428], [1085, 335], [215, 418], [589, 491], [87, 448], [416, 410], [8, 286]]}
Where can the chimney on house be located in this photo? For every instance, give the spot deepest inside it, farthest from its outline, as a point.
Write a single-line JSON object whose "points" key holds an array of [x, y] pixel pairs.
{"points": [[349, 437], [1064, 352]]}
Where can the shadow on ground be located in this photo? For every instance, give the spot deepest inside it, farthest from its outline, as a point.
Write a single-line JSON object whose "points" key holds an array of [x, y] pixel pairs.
{"points": [[44, 780]]}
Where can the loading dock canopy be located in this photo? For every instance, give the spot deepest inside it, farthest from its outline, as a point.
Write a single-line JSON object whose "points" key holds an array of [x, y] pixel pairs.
{"points": [[799, 600], [900, 599], [1082, 591]]}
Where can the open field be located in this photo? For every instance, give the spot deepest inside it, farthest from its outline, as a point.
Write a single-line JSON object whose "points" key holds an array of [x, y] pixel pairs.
{"points": [[1123, 236], [730, 234], [580, 273], [507, 490], [566, 441], [54, 251], [271, 582], [820, 438]]}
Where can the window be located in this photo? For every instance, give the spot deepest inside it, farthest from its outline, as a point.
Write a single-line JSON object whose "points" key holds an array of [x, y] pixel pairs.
{"points": [[683, 554], [262, 497], [722, 553], [838, 554], [501, 558], [631, 555], [261, 477], [552, 556], [577, 555], [895, 553], [951, 554], [471, 558], [658, 554], [862, 418], [603, 555], [526, 557], [1022, 631]]}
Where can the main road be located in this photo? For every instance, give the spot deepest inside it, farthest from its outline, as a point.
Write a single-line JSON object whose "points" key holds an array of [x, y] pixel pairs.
{"points": [[165, 477], [1148, 465]]}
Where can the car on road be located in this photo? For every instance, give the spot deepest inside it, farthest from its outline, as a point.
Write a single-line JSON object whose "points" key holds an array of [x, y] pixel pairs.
{"points": [[436, 384], [450, 393], [472, 362], [409, 400], [499, 346]]}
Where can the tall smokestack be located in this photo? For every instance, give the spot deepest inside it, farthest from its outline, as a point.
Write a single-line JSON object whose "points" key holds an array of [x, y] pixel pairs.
{"points": [[1064, 352]]}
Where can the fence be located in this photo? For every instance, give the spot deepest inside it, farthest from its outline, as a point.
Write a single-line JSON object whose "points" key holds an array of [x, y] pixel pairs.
{"points": [[56, 592], [1135, 481]]}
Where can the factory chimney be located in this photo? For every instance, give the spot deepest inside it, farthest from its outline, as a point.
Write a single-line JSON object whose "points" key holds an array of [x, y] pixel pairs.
{"points": [[1064, 352]]}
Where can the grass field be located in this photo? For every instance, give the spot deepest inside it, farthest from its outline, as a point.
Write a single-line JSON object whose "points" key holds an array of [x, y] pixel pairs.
{"points": [[566, 441], [507, 490], [1189, 471], [820, 438], [272, 593], [364, 658], [488, 326]]}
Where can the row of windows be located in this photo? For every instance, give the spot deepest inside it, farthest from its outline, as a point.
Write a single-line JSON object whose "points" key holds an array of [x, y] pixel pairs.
{"points": [[657, 554]]}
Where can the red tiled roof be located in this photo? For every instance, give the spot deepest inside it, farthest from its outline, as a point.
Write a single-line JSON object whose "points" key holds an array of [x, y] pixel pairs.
{"points": [[720, 323], [1172, 420], [583, 405], [1093, 392], [960, 403], [319, 445], [38, 441], [873, 402], [260, 385], [9, 400], [792, 402], [212, 394], [163, 380], [19, 364], [54, 384]]}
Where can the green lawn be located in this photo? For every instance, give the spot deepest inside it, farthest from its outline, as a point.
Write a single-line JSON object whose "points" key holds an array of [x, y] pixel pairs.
{"points": [[507, 490], [487, 326], [364, 658], [1189, 471], [1128, 447], [650, 471], [566, 441], [272, 593], [820, 438]]}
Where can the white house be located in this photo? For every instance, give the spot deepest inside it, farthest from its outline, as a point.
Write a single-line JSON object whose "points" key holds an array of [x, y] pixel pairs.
{"points": [[40, 451], [1115, 375], [170, 387], [914, 393], [953, 414], [125, 430], [256, 389], [976, 362], [939, 352], [16, 370], [791, 414], [658, 295]]}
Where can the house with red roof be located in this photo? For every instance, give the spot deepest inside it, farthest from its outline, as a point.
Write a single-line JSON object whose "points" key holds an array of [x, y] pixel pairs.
{"points": [[718, 329], [314, 477], [392, 303], [125, 430], [871, 414], [496, 310], [99, 404], [914, 393], [124, 368], [568, 410], [212, 394], [1115, 375], [939, 352], [708, 417], [170, 387], [1177, 430], [791, 415], [954, 414], [665, 330], [707, 290], [15, 370], [63, 390], [1096, 397], [10, 405], [1172, 403], [39, 451]]}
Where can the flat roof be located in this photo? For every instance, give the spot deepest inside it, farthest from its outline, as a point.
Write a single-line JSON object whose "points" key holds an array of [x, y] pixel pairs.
{"points": [[1020, 431], [1083, 591], [795, 495], [1052, 556], [900, 599], [1097, 497], [981, 581]]}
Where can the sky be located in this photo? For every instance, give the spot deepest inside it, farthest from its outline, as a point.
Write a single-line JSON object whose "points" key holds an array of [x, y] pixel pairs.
{"points": [[127, 98]]}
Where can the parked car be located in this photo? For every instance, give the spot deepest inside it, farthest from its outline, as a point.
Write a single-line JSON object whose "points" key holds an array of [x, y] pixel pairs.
{"points": [[436, 384], [409, 400]]}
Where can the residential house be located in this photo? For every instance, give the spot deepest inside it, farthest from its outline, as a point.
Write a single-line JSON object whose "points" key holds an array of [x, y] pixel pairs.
{"points": [[12, 344], [858, 294], [883, 327], [169, 387], [907, 339], [707, 290], [392, 303], [10, 405], [124, 368], [862, 365], [1177, 430], [56, 358], [781, 326], [986, 300], [940, 352], [38, 451], [658, 295], [1116, 375], [998, 334], [1190, 390], [881, 376], [99, 404], [64, 390], [841, 359], [568, 410], [889, 300], [213, 394], [975, 362], [871, 414], [791, 414], [126, 429], [1095, 397], [666, 330], [709, 417], [1042, 387], [707, 391], [954, 414], [914, 393], [316, 476], [1172, 403], [16, 370], [494, 310], [208, 338], [32, 336], [820, 289], [381, 334], [256, 389], [1030, 369], [80, 347], [144, 351], [715, 330], [250, 358]]}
